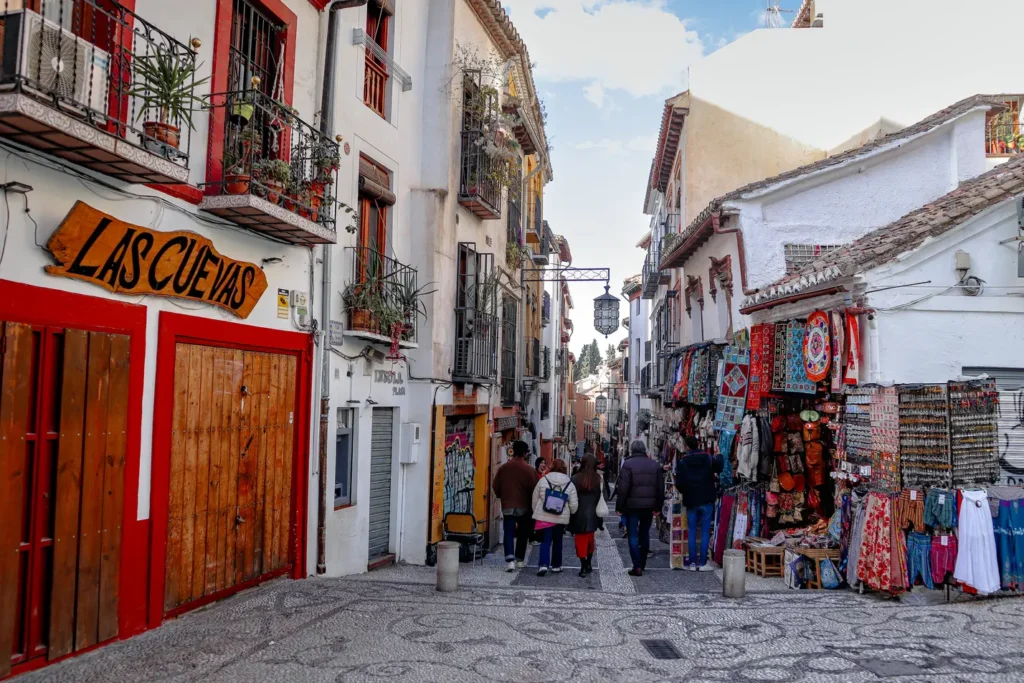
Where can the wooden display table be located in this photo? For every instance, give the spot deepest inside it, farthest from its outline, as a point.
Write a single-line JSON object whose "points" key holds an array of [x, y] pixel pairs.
{"points": [[765, 560], [816, 555]]}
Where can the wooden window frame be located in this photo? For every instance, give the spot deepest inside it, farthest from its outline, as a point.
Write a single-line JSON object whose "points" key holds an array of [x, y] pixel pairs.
{"points": [[220, 80], [378, 29]]}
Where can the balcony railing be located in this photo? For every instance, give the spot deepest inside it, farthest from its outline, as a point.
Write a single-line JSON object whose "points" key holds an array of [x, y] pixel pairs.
{"points": [[382, 299], [476, 346], [546, 361], [479, 185], [277, 172], [509, 323], [545, 309], [79, 79], [651, 276], [375, 86]]}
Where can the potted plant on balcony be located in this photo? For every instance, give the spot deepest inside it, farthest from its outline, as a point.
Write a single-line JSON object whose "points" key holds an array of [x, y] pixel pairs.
{"points": [[410, 302], [276, 174], [165, 82], [236, 177]]}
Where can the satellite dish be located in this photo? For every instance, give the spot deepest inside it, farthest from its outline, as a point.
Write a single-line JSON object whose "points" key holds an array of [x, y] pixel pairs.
{"points": [[773, 14]]}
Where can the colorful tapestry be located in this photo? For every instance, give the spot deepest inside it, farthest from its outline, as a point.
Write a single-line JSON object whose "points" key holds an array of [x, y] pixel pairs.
{"points": [[852, 375], [698, 375], [817, 346], [779, 358], [797, 381], [714, 363], [836, 323], [733, 396], [684, 394], [756, 367]]}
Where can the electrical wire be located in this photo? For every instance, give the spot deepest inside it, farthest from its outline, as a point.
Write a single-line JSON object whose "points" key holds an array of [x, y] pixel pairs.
{"points": [[7, 226]]}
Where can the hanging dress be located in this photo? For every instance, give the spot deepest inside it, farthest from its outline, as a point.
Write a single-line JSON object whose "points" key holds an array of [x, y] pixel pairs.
{"points": [[976, 562]]}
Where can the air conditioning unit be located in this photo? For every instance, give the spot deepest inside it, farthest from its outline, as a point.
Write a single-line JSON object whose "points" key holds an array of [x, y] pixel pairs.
{"points": [[54, 61]]}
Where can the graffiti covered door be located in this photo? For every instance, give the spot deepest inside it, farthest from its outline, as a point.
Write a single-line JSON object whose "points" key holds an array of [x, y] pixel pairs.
{"points": [[459, 465]]}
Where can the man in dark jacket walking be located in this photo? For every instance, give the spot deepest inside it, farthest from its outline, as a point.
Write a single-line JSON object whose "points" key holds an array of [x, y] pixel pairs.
{"points": [[514, 484], [695, 480], [640, 492]]}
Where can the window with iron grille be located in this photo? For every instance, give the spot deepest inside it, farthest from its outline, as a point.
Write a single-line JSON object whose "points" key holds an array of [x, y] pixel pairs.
{"points": [[255, 48], [800, 255], [476, 321], [509, 319], [515, 204]]}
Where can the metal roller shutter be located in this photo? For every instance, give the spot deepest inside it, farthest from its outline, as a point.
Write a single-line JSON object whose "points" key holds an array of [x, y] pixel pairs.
{"points": [[380, 481]]}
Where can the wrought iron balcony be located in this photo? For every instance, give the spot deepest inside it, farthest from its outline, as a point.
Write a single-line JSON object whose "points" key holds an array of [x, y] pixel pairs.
{"points": [[652, 277], [80, 80], [545, 310], [479, 184], [546, 361], [382, 299], [275, 173], [476, 346]]}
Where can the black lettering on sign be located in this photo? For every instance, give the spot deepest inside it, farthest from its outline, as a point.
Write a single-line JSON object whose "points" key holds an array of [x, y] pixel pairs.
{"points": [[95, 247]]}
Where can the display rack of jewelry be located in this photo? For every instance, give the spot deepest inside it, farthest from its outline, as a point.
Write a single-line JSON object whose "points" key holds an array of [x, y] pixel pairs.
{"points": [[924, 435], [973, 418]]}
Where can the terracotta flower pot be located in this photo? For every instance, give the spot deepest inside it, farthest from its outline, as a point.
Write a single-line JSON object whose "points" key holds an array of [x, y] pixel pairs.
{"points": [[361, 320], [162, 132], [274, 191], [289, 203], [237, 183]]}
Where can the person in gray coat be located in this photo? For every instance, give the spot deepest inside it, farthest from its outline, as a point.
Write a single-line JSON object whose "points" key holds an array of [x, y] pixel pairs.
{"points": [[640, 493]]}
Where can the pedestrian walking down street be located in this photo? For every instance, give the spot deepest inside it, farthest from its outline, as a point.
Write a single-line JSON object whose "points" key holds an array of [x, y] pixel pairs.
{"points": [[541, 466], [695, 480], [554, 501], [585, 521], [514, 484], [640, 493]]}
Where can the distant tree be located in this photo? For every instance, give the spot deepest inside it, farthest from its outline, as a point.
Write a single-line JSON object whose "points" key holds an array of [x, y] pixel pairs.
{"points": [[595, 357], [583, 362]]}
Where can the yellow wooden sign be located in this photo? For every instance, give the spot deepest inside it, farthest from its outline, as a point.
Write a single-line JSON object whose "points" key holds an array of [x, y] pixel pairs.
{"points": [[95, 247]]}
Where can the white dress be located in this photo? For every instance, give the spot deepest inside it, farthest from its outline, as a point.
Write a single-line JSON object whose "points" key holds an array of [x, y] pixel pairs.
{"points": [[976, 562]]}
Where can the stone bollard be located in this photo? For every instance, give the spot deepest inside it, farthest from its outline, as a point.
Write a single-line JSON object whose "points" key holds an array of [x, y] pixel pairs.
{"points": [[447, 566], [733, 574]]}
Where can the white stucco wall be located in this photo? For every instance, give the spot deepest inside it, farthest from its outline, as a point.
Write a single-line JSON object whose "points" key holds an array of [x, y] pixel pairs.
{"points": [[839, 205]]}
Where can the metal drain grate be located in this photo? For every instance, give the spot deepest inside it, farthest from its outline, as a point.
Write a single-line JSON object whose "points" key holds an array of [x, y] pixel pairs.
{"points": [[662, 649]]}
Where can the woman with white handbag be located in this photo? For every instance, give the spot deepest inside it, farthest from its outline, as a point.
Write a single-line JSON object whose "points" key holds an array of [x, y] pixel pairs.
{"points": [[591, 512]]}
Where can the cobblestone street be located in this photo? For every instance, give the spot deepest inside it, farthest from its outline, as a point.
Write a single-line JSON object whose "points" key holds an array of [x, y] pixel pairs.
{"points": [[390, 625]]}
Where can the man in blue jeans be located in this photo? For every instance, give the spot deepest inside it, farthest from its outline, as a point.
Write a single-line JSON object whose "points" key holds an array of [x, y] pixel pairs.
{"points": [[514, 484], [639, 493], [695, 480]]}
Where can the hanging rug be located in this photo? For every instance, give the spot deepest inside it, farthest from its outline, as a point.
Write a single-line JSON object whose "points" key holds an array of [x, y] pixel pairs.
{"points": [[817, 346]]}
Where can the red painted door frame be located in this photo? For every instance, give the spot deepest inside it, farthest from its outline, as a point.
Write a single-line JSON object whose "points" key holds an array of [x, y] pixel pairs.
{"points": [[43, 306], [175, 329]]}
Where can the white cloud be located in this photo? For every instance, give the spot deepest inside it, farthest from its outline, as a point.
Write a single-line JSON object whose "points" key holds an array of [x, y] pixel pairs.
{"points": [[594, 94], [639, 144], [636, 46]]}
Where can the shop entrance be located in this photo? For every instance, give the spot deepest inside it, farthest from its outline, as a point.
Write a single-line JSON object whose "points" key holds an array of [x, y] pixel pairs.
{"points": [[63, 421], [231, 461], [380, 481]]}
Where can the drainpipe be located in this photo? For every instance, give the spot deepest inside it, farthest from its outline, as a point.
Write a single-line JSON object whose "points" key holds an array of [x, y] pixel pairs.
{"points": [[326, 123]]}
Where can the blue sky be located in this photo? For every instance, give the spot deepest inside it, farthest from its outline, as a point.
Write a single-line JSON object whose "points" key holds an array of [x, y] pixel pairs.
{"points": [[604, 68]]}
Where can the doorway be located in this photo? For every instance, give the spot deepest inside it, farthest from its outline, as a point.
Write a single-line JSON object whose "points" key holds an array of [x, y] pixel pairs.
{"points": [[381, 465]]}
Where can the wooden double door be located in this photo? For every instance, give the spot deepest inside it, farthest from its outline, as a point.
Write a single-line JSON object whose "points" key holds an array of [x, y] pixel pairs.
{"points": [[63, 424], [230, 512]]}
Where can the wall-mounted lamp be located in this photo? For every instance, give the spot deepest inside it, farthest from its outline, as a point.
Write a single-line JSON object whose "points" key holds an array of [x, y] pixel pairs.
{"points": [[15, 186]]}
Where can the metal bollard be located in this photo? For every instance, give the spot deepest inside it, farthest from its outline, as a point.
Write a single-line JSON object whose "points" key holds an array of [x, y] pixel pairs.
{"points": [[447, 566], [733, 574]]}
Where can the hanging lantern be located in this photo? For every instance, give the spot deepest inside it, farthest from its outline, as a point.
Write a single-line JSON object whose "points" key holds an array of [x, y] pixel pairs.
{"points": [[606, 312], [600, 404], [597, 424]]}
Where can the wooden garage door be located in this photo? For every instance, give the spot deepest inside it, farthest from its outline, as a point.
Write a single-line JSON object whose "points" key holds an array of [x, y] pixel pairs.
{"points": [[63, 423], [232, 453]]}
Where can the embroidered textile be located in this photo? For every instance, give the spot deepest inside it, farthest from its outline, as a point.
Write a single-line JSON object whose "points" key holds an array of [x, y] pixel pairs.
{"points": [[852, 375], [714, 355], [733, 397], [836, 323], [796, 372], [817, 346], [779, 358]]}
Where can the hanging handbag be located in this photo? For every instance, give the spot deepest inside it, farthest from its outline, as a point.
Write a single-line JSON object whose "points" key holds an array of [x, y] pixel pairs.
{"points": [[555, 500], [602, 507]]}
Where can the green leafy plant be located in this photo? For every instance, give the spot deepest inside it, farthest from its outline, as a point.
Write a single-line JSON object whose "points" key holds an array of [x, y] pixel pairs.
{"points": [[277, 170], [165, 82]]}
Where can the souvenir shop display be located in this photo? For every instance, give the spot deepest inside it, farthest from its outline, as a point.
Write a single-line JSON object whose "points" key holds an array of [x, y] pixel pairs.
{"points": [[885, 439], [797, 381], [817, 347], [762, 340], [973, 416], [924, 435]]}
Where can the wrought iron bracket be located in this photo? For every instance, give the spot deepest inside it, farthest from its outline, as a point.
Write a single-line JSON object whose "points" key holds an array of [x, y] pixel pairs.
{"points": [[569, 274]]}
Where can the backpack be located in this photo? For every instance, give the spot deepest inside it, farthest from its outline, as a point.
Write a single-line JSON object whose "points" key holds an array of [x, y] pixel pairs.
{"points": [[555, 500]]}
